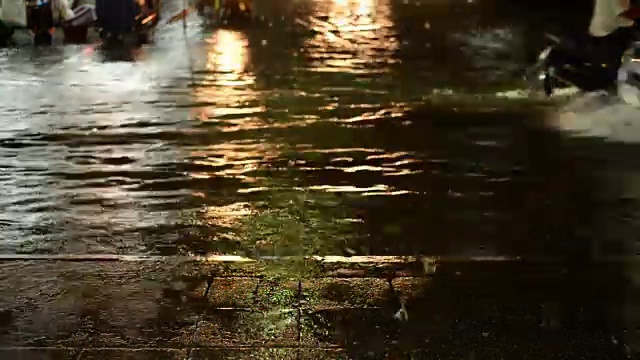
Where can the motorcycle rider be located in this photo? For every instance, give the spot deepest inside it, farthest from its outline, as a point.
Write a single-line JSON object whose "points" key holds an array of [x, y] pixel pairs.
{"points": [[610, 30], [605, 42]]}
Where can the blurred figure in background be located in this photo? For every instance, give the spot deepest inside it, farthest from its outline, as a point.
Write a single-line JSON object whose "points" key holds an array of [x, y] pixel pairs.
{"points": [[74, 19], [224, 10], [61, 11]]}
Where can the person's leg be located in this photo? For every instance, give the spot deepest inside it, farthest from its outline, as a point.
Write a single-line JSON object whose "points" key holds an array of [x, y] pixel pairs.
{"points": [[42, 38]]}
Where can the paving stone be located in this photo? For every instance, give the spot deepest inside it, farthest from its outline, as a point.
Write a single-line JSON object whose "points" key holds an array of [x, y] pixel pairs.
{"points": [[328, 354], [460, 311], [410, 287], [98, 304], [355, 292], [233, 327], [38, 354], [368, 267], [348, 312], [558, 348], [134, 354], [252, 293], [366, 328], [244, 354], [233, 292], [452, 308], [281, 354], [363, 353], [278, 294]]}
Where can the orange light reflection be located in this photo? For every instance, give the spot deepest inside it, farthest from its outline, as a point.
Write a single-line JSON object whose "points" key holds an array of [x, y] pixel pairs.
{"points": [[356, 36], [226, 87], [228, 82]]}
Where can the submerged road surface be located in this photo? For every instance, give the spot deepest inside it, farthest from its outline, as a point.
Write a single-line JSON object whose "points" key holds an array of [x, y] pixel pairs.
{"points": [[348, 128], [373, 107]]}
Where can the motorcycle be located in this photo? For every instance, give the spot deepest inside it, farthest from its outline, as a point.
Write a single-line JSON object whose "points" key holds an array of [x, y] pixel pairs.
{"points": [[569, 63]]}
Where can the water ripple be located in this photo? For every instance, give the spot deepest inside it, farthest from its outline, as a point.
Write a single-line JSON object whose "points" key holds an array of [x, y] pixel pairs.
{"points": [[358, 112]]}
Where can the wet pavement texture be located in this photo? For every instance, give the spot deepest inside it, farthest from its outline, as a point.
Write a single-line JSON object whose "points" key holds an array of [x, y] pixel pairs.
{"points": [[182, 309], [346, 128]]}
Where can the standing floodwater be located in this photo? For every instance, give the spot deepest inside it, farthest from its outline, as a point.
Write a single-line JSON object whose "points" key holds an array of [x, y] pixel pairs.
{"points": [[340, 127], [164, 153]]}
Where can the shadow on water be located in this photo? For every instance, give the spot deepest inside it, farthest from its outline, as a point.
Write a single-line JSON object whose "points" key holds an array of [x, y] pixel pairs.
{"points": [[565, 196]]}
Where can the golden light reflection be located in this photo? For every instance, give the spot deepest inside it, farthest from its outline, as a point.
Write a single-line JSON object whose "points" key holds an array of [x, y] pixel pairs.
{"points": [[227, 84], [226, 90], [228, 215], [244, 124], [235, 159], [229, 53], [362, 28], [238, 160], [376, 190], [354, 35]]}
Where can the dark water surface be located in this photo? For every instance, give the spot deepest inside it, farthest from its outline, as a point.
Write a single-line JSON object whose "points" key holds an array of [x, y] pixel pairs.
{"points": [[330, 127], [367, 108]]}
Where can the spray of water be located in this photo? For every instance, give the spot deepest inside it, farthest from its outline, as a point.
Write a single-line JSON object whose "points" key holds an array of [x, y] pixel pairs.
{"points": [[599, 115]]}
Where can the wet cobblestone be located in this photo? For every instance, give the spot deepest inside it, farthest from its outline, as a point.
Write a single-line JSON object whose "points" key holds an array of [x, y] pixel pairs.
{"points": [[163, 310]]}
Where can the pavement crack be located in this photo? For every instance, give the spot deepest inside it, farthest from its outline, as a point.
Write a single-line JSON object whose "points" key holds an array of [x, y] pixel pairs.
{"points": [[299, 317], [78, 355], [210, 280], [256, 292]]}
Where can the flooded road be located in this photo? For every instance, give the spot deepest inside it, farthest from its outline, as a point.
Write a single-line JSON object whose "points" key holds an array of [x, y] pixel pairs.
{"points": [[342, 127], [359, 107]]}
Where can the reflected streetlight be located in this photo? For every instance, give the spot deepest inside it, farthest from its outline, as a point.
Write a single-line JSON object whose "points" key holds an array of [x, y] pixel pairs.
{"points": [[349, 15], [227, 82], [228, 58], [356, 35], [227, 90]]}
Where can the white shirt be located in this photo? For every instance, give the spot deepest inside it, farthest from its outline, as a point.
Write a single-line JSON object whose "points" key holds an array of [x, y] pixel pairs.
{"points": [[605, 19], [61, 11]]}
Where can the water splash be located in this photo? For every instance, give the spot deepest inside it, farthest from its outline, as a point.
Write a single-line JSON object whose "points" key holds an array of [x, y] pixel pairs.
{"points": [[598, 115]]}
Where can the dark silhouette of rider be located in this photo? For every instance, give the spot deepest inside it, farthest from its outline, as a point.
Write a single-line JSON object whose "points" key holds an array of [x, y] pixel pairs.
{"points": [[603, 46]]}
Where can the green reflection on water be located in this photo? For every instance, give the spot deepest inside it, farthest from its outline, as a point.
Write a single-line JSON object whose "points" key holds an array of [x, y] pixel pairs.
{"points": [[296, 223]]}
